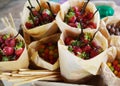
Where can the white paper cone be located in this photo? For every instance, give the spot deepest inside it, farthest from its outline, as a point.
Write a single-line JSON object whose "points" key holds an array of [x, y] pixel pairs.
{"points": [[75, 68], [69, 67], [35, 56], [114, 40], [109, 77], [43, 30], [22, 61], [64, 9]]}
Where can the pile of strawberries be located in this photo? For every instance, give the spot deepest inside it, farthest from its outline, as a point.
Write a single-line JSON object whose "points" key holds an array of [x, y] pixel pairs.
{"points": [[39, 17], [83, 46], [115, 67], [10, 47], [49, 52], [77, 18]]}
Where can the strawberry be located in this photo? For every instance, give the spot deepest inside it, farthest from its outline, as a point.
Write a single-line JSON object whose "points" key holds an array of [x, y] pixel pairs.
{"points": [[28, 25], [89, 16], [77, 14], [19, 51], [68, 40], [77, 50], [46, 13], [93, 53], [1, 40], [72, 19], [87, 48], [36, 21], [74, 9], [92, 25], [72, 24], [8, 50], [10, 42], [35, 12], [94, 44]]}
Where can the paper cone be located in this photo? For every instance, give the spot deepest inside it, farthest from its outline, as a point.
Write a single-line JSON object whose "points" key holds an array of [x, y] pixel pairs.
{"points": [[109, 77], [75, 68], [64, 9], [22, 61], [114, 40], [43, 30], [34, 56]]}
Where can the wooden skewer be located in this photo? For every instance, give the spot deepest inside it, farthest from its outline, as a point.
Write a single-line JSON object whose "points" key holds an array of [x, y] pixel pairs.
{"points": [[8, 21], [32, 70], [4, 22], [37, 73], [35, 79], [7, 74], [12, 21], [23, 79], [23, 69]]}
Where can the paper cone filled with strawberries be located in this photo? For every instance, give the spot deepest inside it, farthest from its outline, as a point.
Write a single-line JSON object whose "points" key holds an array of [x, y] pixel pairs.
{"points": [[38, 18], [81, 54], [74, 13], [111, 68], [110, 28], [13, 53], [44, 52]]}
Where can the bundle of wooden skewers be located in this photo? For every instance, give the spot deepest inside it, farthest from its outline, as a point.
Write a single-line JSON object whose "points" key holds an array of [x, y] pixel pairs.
{"points": [[23, 76]]}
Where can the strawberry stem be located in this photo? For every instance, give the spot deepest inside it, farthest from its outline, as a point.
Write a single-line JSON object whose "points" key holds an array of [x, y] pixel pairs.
{"points": [[50, 9], [95, 13], [81, 34], [84, 7], [30, 4], [15, 35], [94, 35], [30, 10], [31, 13], [39, 6]]}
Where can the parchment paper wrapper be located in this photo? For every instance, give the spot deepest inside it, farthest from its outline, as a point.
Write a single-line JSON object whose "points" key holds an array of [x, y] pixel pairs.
{"points": [[75, 68], [64, 9], [113, 40], [22, 61], [109, 77], [43, 30], [34, 56]]}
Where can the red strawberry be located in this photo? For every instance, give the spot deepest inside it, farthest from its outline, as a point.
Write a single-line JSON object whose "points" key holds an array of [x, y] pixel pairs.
{"points": [[13, 42], [75, 9], [46, 13], [68, 40], [72, 24], [8, 50], [28, 25], [19, 51], [77, 14], [89, 16], [10, 42], [87, 48], [37, 22], [115, 62], [93, 53], [92, 25], [1, 40], [35, 12], [77, 49], [72, 19], [85, 41], [94, 44]]}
